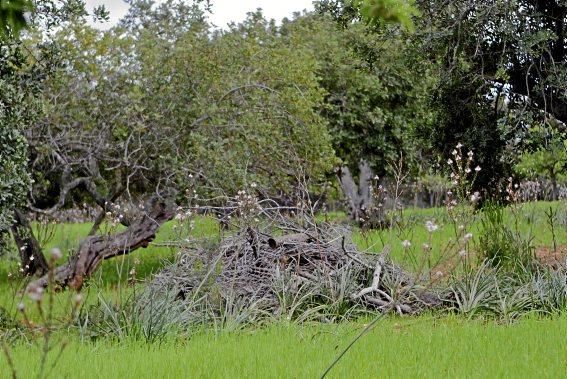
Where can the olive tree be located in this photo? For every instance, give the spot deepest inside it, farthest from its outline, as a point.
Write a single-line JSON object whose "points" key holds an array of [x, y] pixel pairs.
{"points": [[146, 108]]}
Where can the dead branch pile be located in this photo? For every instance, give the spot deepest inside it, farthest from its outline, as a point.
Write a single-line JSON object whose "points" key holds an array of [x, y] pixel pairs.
{"points": [[286, 270]]}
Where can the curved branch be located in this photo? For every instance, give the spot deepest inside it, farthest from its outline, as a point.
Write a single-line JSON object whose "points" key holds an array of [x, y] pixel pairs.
{"points": [[95, 249], [68, 187]]}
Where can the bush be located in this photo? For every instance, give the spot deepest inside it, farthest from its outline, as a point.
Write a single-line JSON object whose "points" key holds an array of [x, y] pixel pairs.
{"points": [[500, 245]]}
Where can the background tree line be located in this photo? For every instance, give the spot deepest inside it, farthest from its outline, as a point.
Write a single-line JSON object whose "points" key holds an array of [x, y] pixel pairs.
{"points": [[164, 100]]}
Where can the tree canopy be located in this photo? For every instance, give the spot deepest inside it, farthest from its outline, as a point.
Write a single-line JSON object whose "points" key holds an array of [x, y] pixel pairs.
{"points": [[163, 101]]}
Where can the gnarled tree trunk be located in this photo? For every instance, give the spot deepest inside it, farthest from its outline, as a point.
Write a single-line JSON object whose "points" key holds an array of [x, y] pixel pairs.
{"points": [[93, 250], [31, 256], [359, 196]]}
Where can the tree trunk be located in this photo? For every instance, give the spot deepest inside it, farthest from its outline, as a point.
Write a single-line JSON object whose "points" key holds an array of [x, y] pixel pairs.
{"points": [[364, 185], [554, 187], [359, 196], [100, 217], [32, 259], [93, 250], [351, 193]]}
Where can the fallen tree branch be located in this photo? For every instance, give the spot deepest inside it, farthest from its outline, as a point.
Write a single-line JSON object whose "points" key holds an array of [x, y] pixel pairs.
{"points": [[375, 280], [278, 263]]}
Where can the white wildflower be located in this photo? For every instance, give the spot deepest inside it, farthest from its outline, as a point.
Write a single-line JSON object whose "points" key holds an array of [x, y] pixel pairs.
{"points": [[406, 244], [35, 292], [475, 197], [477, 168], [431, 226]]}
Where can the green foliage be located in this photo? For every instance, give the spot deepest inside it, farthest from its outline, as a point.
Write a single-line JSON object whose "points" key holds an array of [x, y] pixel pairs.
{"points": [[544, 162], [377, 89], [12, 16], [24, 65], [260, 98], [225, 109], [489, 94], [393, 11], [14, 178], [548, 160], [500, 245], [18, 108]]}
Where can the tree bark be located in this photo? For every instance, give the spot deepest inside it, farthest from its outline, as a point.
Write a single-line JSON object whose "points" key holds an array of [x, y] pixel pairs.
{"points": [[359, 196], [101, 215], [32, 259], [351, 192], [93, 250]]}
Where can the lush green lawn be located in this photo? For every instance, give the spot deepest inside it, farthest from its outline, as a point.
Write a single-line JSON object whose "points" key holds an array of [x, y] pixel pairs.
{"points": [[396, 347]]}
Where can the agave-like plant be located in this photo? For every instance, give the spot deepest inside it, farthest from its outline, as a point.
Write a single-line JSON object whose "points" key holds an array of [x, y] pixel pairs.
{"points": [[476, 291], [549, 289], [513, 299]]}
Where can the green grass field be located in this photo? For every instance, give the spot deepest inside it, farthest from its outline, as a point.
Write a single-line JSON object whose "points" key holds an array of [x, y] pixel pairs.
{"points": [[532, 223], [424, 346], [398, 348]]}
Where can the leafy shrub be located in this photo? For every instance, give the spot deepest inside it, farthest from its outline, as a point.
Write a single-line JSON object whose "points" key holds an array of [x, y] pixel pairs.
{"points": [[500, 245]]}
